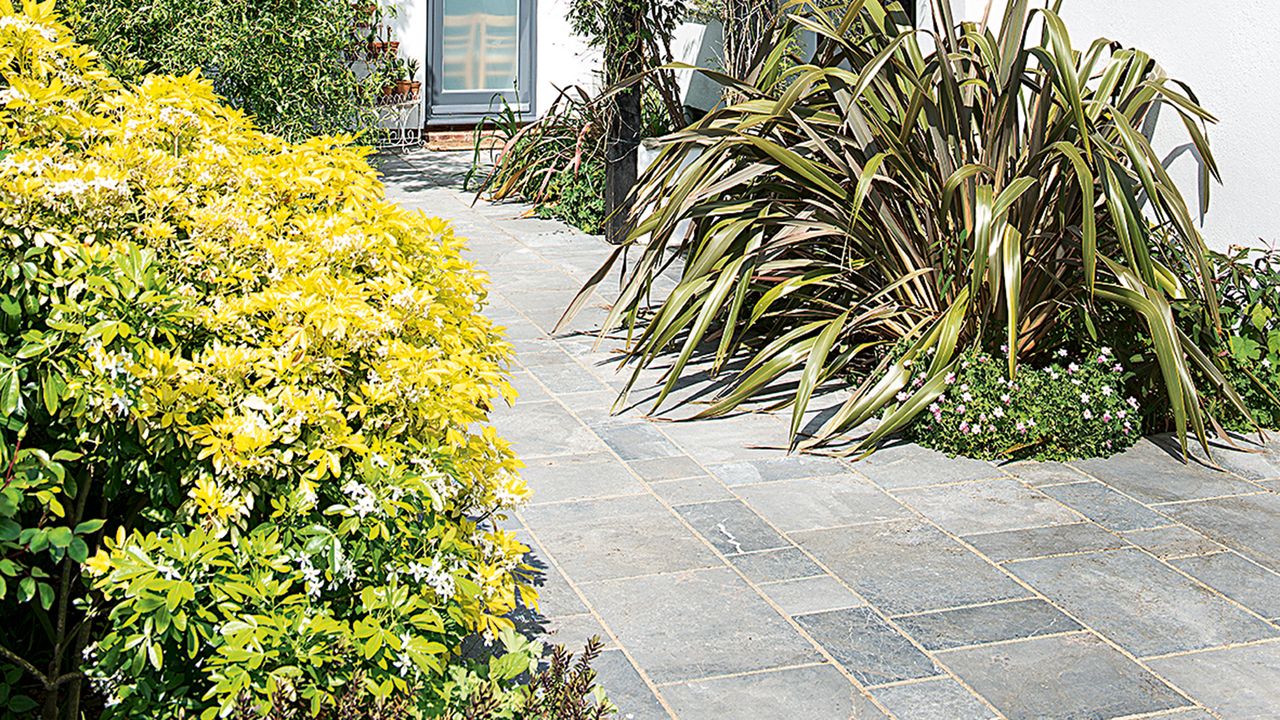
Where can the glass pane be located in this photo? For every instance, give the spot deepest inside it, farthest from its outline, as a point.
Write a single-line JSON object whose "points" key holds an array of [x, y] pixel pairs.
{"points": [[480, 44]]}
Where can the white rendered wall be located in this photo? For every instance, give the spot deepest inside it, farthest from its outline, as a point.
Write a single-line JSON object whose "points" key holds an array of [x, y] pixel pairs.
{"points": [[1229, 53], [563, 59]]}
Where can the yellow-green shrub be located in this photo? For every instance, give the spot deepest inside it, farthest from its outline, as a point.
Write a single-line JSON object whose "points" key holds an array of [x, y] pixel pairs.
{"points": [[255, 385]]}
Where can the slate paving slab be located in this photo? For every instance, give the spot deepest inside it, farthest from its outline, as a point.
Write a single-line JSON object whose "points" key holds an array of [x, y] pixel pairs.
{"points": [[1105, 506], [579, 477], [776, 565], [811, 595], [1141, 604], [637, 441], [1045, 541], [813, 693], [906, 566], [698, 624], [525, 427], [812, 503], [1246, 524], [1241, 683], [1067, 677], [987, 506], [617, 537], [905, 465], [732, 527], [936, 699], [626, 689], [1149, 474], [689, 491], [1240, 579], [1174, 541], [983, 624], [868, 647], [783, 468]]}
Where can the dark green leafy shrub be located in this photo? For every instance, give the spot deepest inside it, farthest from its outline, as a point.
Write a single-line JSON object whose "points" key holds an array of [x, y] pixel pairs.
{"points": [[579, 199], [282, 61], [1249, 284], [1075, 407]]}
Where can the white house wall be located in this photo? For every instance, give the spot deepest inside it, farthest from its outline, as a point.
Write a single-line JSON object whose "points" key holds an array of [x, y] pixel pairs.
{"points": [[1229, 53]]}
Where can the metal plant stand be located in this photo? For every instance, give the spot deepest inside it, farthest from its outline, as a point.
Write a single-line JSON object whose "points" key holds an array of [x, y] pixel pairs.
{"points": [[401, 117]]}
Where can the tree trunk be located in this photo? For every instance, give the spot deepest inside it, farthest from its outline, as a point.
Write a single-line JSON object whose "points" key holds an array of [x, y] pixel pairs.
{"points": [[623, 143], [621, 158]]}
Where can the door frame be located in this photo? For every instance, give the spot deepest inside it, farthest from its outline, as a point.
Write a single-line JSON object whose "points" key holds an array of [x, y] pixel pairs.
{"points": [[472, 106]]}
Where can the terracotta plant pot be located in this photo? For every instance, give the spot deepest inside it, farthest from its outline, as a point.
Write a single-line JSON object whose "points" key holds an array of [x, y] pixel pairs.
{"points": [[388, 90], [393, 47], [402, 87], [375, 49], [415, 88]]}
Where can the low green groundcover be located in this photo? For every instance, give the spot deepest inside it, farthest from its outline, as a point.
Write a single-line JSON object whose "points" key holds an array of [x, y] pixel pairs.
{"points": [[1073, 408]]}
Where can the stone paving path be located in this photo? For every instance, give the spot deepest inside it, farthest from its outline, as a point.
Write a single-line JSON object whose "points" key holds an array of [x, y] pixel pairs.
{"points": [[732, 582]]}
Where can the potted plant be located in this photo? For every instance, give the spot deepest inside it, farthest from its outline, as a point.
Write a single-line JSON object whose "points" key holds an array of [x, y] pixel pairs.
{"points": [[411, 67], [401, 70]]}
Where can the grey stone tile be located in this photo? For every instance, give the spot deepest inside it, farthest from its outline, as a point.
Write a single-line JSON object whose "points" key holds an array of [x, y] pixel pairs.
{"points": [[1173, 542], [814, 693], [905, 566], [811, 595], [731, 527], [617, 537], [987, 506], [936, 699], [594, 407], [730, 439], [1067, 677], [669, 468], [868, 647], [1148, 474], [625, 688], [781, 468], [637, 441], [1246, 582], [691, 490], [1241, 682], [1186, 714], [906, 465], [695, 625], [1044, 473], [1247, 459], [1040, 542], [1144, 606], [528, 388], [812, 503], [555, 597], [1105, 506], [984, 624], [776, 565], [573, 631], [579, 477], [544, 429], [1246, 524], [561, 373]]}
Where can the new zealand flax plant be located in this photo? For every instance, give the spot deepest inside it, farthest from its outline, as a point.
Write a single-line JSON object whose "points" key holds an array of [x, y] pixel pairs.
{"points": [[897, 195]]}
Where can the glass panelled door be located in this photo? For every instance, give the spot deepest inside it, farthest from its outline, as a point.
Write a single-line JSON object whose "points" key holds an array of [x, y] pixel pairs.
{"points": [[481, 53]]}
